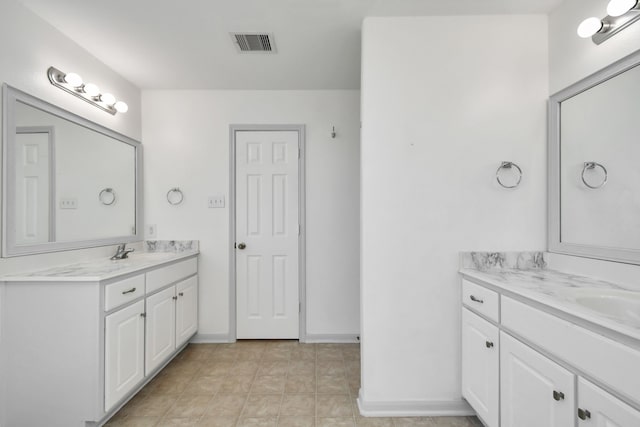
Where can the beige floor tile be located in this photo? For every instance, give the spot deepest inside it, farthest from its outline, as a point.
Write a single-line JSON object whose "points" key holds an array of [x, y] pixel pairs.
{"points": [[225, 354], [300, 367], [167, 385], [299, 405], [237, 384], [269, 384], [216, 369], [277, 354], [262, 406], [374, 422], [261, 422], [189, 406], [250, 354], [169, 422], [451, 422], [273, 367], [204, 385], [329, 354], [330, 367], [285, 421], [333, 405], [412, 421], [336, 422], [334, 384], [154, 405], [216, 421], [226, 405], [135, 422], [244, 367], [300, 384]]}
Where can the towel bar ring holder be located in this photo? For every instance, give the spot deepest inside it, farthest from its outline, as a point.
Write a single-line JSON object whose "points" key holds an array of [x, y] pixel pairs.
{"points": [[508, 165], [593, 165], [179, 196], [107, 196]]}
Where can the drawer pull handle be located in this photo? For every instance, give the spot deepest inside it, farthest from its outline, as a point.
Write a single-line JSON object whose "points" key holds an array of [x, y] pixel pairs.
{"points": [[174, 297], [143, 314], [181, 294], [558, 395], [474, 299], [489, 344], [583, 414], [129, 291]]}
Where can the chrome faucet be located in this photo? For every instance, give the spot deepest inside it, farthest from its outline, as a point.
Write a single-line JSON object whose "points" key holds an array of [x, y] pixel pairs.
{"points": [[122, 252]]}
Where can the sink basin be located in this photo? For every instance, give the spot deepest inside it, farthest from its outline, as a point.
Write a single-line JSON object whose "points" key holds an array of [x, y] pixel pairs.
{"points": [[624, 305]]}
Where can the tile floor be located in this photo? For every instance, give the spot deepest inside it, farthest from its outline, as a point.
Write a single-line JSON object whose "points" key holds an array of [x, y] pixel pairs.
{"points": [[261, 383]]}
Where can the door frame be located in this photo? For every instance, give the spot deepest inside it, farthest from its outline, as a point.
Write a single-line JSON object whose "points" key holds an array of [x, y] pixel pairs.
{"points": [[302, 261]]}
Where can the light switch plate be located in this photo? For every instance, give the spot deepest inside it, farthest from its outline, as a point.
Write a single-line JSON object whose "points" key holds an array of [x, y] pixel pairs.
{"points": [[216, 201], [68, 203]]}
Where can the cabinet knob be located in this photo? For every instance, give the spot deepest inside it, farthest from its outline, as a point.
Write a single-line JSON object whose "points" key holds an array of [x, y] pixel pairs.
{"points": [[174, 297], [489, 344], [143, 314], [181, 294], [474, 299], [129, 291], [558, 395], [583, 414]]}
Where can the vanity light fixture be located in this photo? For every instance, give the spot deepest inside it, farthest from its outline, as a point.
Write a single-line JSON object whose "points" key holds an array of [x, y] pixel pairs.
{"points": [[72, 83], [621, 14]]}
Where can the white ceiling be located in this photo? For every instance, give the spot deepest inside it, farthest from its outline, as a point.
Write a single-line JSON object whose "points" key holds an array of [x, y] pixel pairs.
{"points": [[185, 44]]}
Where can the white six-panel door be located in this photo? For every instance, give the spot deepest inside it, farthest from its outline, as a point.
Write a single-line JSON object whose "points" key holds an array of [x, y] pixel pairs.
{"points": [[33, 198], [267, 233]]}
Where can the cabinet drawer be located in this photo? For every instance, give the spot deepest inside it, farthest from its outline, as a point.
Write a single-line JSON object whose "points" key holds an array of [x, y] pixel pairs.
{"points": [[121, 292], [612, 363], [163, 276], [480, 299]]}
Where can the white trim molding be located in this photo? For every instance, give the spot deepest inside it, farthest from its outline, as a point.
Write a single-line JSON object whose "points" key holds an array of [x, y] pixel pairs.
{"points": [[414, 408], [212, 339], [331, 338]]}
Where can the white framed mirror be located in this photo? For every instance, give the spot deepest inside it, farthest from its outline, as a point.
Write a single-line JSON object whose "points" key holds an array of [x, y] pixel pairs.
{"points": [[594, 165], [68, 183]]}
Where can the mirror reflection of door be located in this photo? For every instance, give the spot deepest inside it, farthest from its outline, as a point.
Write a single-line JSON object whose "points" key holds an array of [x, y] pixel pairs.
{"points": [[35, 185]]}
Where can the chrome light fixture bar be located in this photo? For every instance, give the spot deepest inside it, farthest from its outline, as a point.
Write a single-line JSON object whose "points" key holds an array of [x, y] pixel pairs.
{"points": [[621, 14], [72, 83]]}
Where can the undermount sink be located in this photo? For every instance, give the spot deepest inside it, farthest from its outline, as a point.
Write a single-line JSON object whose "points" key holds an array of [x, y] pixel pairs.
{"points": [[611, 302]]}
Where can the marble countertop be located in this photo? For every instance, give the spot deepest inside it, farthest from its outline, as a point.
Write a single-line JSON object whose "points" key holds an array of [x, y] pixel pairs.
{"points": [[156, 254], [555, 289]]}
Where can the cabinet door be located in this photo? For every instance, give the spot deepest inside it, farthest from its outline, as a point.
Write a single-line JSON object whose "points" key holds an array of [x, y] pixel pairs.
{"points": [[161, 328], [534, 391], [186, 310], [598, 408], [480, 366], [124, 352]]}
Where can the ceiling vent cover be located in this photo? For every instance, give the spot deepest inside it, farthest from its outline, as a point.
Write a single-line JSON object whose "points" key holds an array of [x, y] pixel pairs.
{"points": [[254, 42]]}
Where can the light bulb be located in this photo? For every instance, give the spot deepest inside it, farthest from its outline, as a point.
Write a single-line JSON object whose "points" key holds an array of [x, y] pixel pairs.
{"points": [[121, 107], [108, 98], [73, 79], [589, 27], [620, 7], [91, 89]]}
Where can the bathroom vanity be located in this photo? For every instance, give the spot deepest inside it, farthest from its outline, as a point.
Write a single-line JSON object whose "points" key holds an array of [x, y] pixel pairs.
{"points": [[80, 340], [545, 348]]}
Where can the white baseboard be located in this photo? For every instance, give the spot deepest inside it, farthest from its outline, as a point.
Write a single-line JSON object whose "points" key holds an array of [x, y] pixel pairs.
{"points": [[331, 338], [211, 339], [414, 408]]}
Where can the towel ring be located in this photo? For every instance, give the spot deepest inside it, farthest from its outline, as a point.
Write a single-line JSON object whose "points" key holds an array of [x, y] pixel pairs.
{"points": [[107, 196], [593, 165], [175, 196], [508, 165]]}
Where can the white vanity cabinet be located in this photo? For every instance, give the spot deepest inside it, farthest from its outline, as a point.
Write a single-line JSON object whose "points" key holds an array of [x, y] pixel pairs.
{"points": [[75, 349], [552, 371], [480, 366], [535, 391]]}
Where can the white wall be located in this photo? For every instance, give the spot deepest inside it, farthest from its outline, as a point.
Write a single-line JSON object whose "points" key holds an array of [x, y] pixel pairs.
{"points": [[186, 136], [572, 58], [444, 101]]}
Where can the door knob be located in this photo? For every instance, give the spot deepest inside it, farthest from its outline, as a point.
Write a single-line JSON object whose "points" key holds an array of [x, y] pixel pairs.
{"points": [[241, 246]]}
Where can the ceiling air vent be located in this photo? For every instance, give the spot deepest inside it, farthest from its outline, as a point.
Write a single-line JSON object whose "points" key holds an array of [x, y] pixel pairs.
{"points": [[254, 42]]}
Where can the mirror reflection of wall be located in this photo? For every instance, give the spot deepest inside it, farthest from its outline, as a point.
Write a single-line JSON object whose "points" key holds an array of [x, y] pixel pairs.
{"points": [[600, 125], [61, 168]]}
